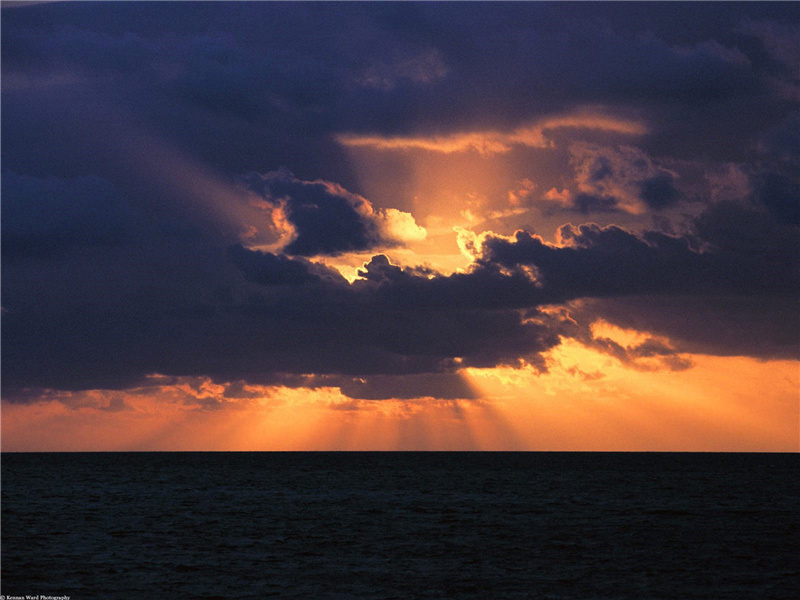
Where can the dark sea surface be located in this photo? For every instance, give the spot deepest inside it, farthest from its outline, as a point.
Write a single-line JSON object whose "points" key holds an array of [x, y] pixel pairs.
{"points": [[401, 525]]}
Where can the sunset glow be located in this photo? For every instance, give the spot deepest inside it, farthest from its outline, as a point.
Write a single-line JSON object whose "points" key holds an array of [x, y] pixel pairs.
{"points": [[465, 227], [586, 401], [495, 142]]}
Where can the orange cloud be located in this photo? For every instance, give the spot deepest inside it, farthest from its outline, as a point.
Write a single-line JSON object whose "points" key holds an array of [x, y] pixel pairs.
{"points": [[587, 400], [522, 194], [562, 197], [590, 401], [496, 142]]}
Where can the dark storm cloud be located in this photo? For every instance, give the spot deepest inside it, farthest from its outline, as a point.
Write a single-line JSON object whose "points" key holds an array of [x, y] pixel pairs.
{"points": [[266, 268], [659, 192], [776, 179], [297, 335], [118, 298], [46, 217], [588, 203], [765, 327], [486, 289], [780, 194], [600, 261], [618, 179], [733, 250], [281, 316], [436, 385], [443, 385], [729, 288], [269, 91], [326, 219], [760, 251], [111, 272]]}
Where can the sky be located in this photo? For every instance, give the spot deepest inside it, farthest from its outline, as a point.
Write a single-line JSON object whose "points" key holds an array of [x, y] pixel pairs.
{"points": [[400, 226]]}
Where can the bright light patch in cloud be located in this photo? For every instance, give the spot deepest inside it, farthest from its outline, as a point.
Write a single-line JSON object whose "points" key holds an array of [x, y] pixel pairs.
{"points": [[471, 244], [398, 226], [497, 142]]}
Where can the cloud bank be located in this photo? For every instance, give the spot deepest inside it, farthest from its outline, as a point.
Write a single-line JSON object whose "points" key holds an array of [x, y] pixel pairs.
{"points": [[647, 156]]}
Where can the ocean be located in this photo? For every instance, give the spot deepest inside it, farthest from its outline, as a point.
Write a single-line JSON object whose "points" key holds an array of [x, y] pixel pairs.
{"points": [[405, 525]]}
